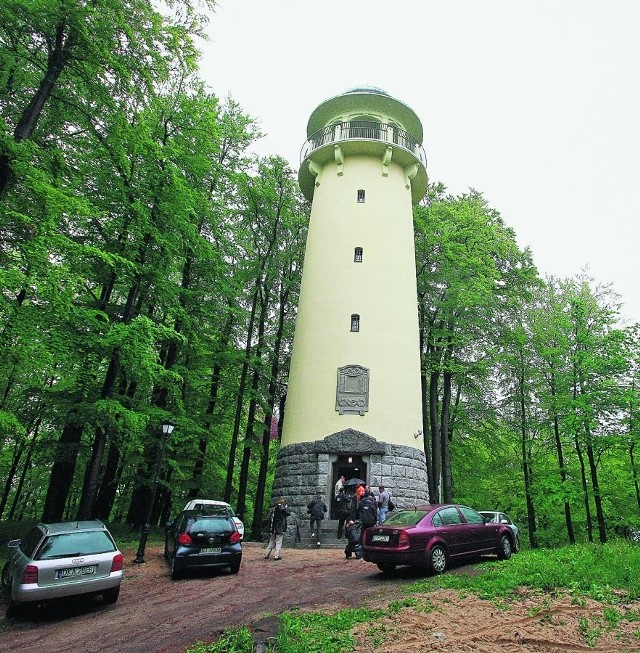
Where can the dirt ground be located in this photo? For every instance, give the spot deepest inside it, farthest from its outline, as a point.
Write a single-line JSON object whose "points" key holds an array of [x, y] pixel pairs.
{"points": [[157, 615]]}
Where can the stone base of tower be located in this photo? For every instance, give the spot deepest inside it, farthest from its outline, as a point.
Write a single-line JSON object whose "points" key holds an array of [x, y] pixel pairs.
{"points": [[306, 469]]}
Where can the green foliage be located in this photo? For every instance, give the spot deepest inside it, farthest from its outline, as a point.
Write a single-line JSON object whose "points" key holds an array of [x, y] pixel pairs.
{"points": [[316, 633], [608, 572], [231, 641]]}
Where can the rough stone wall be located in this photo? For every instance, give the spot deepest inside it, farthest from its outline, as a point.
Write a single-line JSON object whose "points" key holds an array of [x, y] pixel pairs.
{"points": [[304, 470]]}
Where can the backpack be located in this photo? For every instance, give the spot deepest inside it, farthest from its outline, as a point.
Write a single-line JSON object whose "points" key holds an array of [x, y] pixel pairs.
{"points": [[344, 506], [368, 513], [391, 505]]}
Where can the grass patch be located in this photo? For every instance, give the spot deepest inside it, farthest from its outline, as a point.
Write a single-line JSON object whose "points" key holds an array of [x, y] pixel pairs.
{"points": [[238, 640], [316, 633], [603, 572]]}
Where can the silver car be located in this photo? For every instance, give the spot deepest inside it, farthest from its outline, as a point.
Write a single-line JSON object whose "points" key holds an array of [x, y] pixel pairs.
{"points": [[62, 560], [497, 517]]}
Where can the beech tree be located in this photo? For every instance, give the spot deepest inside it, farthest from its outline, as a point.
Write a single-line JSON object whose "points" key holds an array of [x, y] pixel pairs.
{"points": [[470, 271]]}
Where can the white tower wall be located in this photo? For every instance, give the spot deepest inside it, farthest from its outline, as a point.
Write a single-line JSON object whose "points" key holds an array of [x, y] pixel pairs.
{"points": [[381, 290]]}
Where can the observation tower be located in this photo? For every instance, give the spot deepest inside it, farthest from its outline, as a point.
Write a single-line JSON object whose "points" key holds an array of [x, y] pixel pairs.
{"points": [[353, 403]]}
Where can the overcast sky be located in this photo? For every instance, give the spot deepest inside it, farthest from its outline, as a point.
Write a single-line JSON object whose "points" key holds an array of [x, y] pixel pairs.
{"points": [[535, 104]]}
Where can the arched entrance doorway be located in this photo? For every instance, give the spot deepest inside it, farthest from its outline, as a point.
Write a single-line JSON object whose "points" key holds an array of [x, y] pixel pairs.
{"points": [[350, 466]]}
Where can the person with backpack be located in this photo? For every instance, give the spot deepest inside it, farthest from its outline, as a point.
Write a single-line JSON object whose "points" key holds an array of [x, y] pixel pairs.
{"points": [[277, 525], [343, 501], [316, 509], [367, 512]]}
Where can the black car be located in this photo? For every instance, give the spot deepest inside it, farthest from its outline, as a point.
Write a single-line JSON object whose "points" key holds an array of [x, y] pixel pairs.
{"points": [[203, 540]]}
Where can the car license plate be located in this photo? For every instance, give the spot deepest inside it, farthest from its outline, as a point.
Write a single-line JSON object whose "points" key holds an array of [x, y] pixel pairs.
{"points": [[380, 538], [76, 571], [215, 549]]}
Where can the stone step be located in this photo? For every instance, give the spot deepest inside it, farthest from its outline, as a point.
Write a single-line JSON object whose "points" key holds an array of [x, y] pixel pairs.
{"points": [[328, 536]]}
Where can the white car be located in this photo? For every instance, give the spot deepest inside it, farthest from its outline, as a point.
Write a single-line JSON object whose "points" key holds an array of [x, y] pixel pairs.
{"points": [[199, 504], [497, 517]]}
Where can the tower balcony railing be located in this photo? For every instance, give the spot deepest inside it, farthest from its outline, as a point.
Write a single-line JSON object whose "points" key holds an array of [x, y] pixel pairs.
{"points": [[364, 130]]}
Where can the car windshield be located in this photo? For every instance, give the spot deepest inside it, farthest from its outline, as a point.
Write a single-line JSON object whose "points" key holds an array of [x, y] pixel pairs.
{"points": [[209, 525], [405, 518], [212, 509], [75, 544]]}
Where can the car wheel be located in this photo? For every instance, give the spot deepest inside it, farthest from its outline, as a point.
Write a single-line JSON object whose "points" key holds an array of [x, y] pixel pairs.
{"points": [[111, 595], [437, 559], [386, 567], [504, 550], [6, 576], [175, 573], [234, 568]]}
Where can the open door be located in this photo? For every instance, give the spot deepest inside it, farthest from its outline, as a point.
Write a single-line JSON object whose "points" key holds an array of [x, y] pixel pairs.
{"points": [[349, 466]]}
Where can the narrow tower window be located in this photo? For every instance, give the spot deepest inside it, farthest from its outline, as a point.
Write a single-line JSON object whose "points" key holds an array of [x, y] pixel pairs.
{"points": [[357, 255], [360, 196], [355, 322]]}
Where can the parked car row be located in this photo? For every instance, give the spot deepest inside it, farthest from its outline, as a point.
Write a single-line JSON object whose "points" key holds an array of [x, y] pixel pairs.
{"points": [[81, 558]]}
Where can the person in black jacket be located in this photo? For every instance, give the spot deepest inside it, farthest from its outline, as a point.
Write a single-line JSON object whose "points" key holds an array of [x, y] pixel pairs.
{"points": [[316, 509], [277, 524], [343, 501], [367, 512], [352, 532]]}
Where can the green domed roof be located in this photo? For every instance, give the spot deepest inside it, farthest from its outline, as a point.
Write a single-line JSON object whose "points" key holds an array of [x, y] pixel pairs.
{"points": [[364, 99], [367, 89]]}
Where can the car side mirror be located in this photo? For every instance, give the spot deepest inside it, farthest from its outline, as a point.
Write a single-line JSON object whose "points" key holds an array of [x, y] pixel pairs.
{"points": [[12, 544]]}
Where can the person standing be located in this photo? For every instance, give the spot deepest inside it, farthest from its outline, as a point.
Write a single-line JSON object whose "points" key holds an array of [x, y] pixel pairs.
{"points": [[343, 501], [383, 504], [338, 486], [316, 509], [352, 533], [277, 523], [367, 512]]}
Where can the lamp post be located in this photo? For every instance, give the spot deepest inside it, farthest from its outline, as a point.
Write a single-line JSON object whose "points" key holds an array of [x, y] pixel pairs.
{"points": [[167, 428]]}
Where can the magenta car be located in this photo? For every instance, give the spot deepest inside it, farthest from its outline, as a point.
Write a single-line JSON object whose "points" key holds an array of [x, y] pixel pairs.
{"points": [[429, 536]]}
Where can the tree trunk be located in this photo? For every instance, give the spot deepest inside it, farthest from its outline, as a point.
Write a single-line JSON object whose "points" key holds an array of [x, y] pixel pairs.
{"points": [[249, 437], [23, 475], [240, 397], [56, 62], [198, 466], [634, 471], [64, 467], [563, 471], [258, 508], [109, 486], [436, 453], [526, 465], [585, 491], [447, 485]]}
